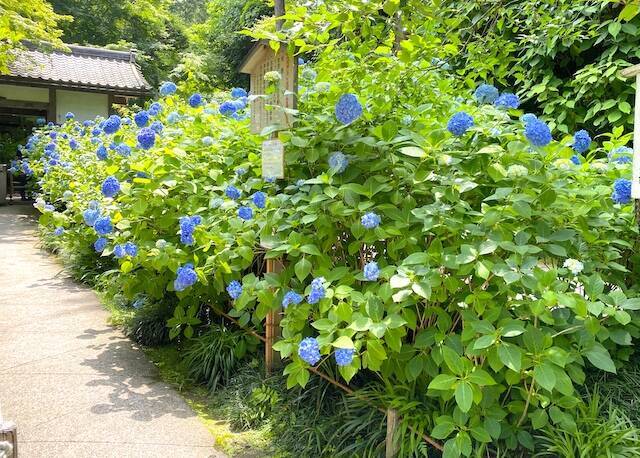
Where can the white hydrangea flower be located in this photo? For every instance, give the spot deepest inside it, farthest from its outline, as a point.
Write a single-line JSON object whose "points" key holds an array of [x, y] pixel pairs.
{"points": [[517, 170], [161, 243], [599, 167], [574, 266]]}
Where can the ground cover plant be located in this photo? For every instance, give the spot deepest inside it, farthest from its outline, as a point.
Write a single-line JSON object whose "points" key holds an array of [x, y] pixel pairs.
{"points": [[444, 246]]}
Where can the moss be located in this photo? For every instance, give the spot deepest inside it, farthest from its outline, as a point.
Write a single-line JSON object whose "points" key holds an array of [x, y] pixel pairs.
{"points": [[242, 444]]}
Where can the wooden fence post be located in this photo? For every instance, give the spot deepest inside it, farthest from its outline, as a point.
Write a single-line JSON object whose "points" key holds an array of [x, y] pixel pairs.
{"points": [[391, 447], [272, 324]]}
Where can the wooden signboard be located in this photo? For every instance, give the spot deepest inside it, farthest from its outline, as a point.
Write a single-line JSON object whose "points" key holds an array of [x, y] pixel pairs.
{"points": [[261, 60]]}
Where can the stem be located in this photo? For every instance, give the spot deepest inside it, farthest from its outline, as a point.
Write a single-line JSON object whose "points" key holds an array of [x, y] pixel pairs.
{"points": [[526, 405]]}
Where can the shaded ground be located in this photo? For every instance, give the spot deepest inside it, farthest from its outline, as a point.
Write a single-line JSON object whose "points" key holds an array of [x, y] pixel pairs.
{"points": [[75, 386]]}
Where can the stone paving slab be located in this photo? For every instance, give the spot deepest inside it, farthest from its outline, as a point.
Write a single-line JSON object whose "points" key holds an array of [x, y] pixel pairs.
{"points": [[75, 386]]}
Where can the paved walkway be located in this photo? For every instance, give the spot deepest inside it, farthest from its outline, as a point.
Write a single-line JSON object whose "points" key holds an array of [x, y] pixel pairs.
{"points": [[75, 386]]}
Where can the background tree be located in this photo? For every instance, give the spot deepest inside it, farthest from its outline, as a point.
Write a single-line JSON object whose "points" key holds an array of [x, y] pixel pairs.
{"points": [[218, 42], [147, 25], [32, 20]]}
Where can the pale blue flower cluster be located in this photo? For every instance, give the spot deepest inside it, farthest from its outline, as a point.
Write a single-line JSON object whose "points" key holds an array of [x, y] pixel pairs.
{"points": [[259, 199], [100, 244], [110, 186], [309, 350], [317, 291], [234, 289], [538, 133], [90, 216], [338, 161], [185, 277], [348, 109], [291, 297], [58, 231], [507, 100], [486, 93], [187, 226], [370, 220], [232, 192], [167, 88], [102, 153], [155, 109], [195, 100], [581, 141], [459, 123], [344, 356], [371, 271], [146, 137], [621, 191], [103, 225], [621, 155]]}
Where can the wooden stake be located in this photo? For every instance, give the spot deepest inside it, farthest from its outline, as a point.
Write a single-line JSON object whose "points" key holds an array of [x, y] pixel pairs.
{"points": [[272, 324], [391, 447]]}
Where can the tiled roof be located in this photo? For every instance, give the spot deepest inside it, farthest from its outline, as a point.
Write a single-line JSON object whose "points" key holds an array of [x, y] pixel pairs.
{"points": [[82, 67]]}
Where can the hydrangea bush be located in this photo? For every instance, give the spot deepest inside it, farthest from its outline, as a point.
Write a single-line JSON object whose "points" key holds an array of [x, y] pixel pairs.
{"points": [[430, 239]]}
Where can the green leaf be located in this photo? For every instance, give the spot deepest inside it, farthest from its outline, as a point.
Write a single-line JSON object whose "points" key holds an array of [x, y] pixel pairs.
{"points": [[484, 342], [443, 382], [544, 375], [510, 355], [454, 362], [343, 342], [464, 396], [442, 430], [599, 357], [413, 151], [302, 269], [481, 377]]}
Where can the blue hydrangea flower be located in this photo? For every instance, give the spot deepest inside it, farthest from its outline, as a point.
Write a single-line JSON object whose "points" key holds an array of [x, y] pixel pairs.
{"points": [[317, 291], [118, 251], [238, 92], [241, 171], [486, 93], [291, 297], [173, 117], [232, 192], [621, 155], [344, 356], [96, 131], [155, 108], [87, 123], [227, 108], [100, 244], [131, 249], [195, 100], [309, 350], [102, 153], [53, 135], [146, 137], [338, 162], [167, 88], [538, 133], [576, 159], [69, 116], [259, 199], [50, 147], [111, 124], [527, 118], [370, 220], [459, 123], [110, 186], [581, 141], [208, 141], [507, 100], [371, 271], [185, 277], [90, 216], [157, 126], [245, 213], [187, 226], [123, 149], [348, 109], [234, 289], [621, 191], [103, 225], [239, 104], [126, 121], [141, 118], [58, 231]]}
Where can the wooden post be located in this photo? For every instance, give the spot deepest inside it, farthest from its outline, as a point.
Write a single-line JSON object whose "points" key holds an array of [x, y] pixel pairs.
{"points": [[272, 324], [279, 10], [391, 446]]}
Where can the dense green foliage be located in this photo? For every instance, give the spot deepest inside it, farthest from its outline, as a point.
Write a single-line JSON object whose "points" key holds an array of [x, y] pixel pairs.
{"points": [[31, 20], [564, 57], [480, 328], [147, 26]]}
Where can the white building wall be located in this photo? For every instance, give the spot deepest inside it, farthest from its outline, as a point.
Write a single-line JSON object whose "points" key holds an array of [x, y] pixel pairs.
{"points": [[85, 105], [24, 93]]}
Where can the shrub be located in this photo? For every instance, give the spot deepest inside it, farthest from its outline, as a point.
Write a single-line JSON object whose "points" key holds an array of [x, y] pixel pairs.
{"points": [[501, 266]]}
